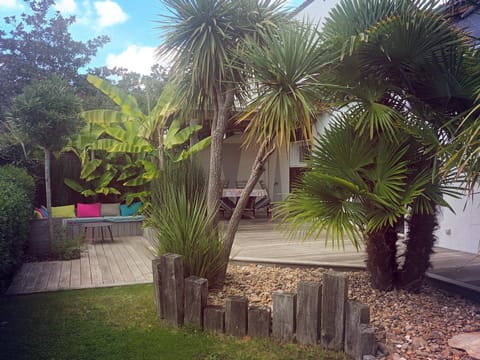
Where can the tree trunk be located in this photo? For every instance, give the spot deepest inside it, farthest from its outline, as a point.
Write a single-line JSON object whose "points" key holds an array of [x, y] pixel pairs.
{"points": [[48, 194], [420, 241], [258, 168], [219, 126], [161, 149], [382, 258]]}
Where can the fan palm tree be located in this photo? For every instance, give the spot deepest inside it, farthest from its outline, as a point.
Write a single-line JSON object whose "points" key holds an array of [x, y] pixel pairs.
{"points": [[404, 72], [464, 151], [358, 187]]}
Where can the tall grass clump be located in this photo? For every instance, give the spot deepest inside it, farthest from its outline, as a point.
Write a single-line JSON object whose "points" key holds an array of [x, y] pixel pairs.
{"points": [[180, 221]]}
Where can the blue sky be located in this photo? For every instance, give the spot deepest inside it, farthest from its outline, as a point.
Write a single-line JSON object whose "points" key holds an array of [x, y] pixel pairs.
{"points": [[129, 24]]}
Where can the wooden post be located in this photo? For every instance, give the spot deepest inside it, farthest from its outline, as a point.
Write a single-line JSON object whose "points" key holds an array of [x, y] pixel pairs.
{"points": [[284, 315], [367, 340], [196, 293], [173, 288], [214, 319], [259, 321], [309, 309], [356, 314], [334, 296], [157, 286], [236, 308]]}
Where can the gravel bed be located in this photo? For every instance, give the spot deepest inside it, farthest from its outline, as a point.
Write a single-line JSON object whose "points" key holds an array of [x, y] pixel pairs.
{"points": [[407, 326]]}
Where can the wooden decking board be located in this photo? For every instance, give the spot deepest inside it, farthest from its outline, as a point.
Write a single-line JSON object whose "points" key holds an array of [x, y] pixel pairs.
{"points": [[137, 259], [64, 281], [103, 265], [54, 278], [85, 273], [130, 262], [75, 278], [125, 270], [142, 248], [31, 277], [95, 272], [117, 276], [127, 274], [43, 275]]}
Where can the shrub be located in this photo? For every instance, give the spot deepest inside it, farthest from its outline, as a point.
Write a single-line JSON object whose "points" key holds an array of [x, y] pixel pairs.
{"points": [[178, 216], [20, 177], [64, 246], [16, 210]]}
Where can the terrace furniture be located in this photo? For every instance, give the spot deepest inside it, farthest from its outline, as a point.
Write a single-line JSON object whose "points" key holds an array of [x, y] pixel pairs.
{"points": [[98, 225], [265, 201], [228, 194]]}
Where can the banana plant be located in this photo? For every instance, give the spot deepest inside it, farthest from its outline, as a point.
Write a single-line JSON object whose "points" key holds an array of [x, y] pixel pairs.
{"points": [[126, 147]]}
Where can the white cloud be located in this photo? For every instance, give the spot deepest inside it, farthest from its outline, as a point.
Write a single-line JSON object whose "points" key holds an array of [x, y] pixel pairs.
{"points": [[66, 6], [135, 58], [109, 13], [11, 4]]}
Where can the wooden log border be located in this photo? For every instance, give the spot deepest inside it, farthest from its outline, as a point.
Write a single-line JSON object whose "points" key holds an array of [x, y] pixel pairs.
{"points": [[316, 314]]}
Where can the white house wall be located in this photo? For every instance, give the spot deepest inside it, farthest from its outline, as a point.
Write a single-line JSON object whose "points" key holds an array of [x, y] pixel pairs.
{"points": [[461, 231], [238, 161], [317, 10]]}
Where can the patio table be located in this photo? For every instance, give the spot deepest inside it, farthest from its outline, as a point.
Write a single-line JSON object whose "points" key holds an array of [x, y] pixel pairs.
{"points": [[98, 225], [236, 193]]}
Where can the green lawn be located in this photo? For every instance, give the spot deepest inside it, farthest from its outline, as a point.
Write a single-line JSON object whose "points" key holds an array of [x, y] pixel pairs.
{"points": [[117, 323]]}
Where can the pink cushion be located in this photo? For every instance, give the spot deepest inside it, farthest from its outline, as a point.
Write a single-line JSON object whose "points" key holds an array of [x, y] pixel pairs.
{"points": [[88, 210]]}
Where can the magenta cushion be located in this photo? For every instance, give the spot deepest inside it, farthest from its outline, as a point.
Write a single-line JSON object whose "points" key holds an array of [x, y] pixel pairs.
{"points": [[88, 210]]}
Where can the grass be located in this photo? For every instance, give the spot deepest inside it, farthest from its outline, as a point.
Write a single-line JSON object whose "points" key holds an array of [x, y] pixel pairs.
{"points": [[118, 323]]}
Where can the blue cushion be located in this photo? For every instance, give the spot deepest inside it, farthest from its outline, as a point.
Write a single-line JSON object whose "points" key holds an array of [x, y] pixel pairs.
{"points": [[130, 210]]}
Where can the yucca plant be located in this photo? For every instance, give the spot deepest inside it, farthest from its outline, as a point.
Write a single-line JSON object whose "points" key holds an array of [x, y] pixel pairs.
{"points": [[179, 217]]}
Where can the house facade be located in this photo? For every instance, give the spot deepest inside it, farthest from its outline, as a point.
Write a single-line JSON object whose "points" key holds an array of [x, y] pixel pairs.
{"points": [[282, 169]]}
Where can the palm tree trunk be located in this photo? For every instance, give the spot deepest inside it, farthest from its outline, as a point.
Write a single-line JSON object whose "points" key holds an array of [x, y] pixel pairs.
{"points": [[382, 258], [258, 168], [219, 126], [420, 241], [48, 194]]}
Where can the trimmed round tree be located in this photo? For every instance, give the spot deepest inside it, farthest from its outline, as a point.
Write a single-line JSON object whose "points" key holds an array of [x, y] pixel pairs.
{"points": [[46, 114]]}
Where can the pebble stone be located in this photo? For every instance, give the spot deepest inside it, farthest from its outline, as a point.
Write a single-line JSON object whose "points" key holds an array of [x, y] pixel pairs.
{"points": [[406, 325]]}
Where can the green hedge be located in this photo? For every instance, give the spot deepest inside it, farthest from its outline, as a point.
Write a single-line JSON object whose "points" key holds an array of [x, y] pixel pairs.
{"points": [[16, 210]]}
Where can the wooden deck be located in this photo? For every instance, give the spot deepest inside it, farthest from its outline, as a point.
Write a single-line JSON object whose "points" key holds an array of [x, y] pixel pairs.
{"points": [[128, 261], [125, 261]]}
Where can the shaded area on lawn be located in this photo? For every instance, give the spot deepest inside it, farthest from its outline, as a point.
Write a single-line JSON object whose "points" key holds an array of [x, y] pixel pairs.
{"points": [[118, 323]]}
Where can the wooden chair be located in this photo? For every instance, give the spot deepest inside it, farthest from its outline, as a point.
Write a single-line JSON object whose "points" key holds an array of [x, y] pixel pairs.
{"points": [[264, 202], [226, 205]]}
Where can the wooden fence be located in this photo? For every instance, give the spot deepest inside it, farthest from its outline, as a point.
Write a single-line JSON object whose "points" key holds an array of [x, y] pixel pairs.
{"points": [[315, 314]]}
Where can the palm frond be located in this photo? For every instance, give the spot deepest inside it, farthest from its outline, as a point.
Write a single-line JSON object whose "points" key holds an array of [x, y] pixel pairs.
{"points": [[286, 73]]}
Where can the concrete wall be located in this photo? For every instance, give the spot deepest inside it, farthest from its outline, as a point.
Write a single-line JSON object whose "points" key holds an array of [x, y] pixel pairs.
{"points": [[461, 231]]}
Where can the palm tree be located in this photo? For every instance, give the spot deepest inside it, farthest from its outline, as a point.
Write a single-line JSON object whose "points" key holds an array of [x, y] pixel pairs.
{"points": [[202, 37], [285, 68], [405, 72], [463, 152]]}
